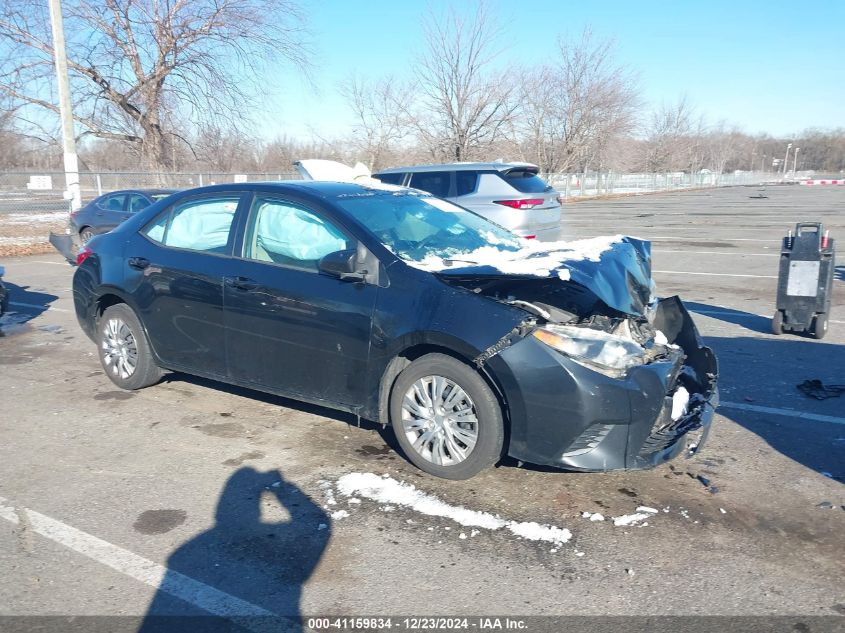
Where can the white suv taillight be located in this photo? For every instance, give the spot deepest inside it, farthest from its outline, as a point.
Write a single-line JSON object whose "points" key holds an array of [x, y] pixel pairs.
{"points": [[528, 203]]}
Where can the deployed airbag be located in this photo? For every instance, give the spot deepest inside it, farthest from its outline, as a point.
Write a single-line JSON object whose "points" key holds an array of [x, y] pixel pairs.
{"points": [[294, 233]]}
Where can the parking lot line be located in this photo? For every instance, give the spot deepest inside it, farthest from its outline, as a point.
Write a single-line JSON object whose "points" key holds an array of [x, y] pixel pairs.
{"points": [[666, 250], [146, 571], [784, 412], [653, 238], [34, 306], [740, 314], [683, 272]]}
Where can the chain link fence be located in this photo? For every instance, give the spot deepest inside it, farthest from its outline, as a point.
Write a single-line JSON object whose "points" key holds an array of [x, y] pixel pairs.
{"points": [[33, 203], [610, 183], [42, 192]]}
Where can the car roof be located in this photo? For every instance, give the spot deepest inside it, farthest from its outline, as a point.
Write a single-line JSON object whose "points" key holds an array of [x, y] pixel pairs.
{"points": [[149, 192], [458, 167], [320, 188]]}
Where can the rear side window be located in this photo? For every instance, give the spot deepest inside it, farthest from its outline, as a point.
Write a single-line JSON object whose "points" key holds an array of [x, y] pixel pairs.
{"points": [[525, 181], [198, 225], [465, 182], [136, 203], [391, 179], [434, 182]]}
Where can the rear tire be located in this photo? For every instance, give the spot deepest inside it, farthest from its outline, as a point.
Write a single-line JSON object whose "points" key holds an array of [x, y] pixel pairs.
{"points": [[777, 323], [124, 350], [86, 234], [819, 328], [446, 418]]}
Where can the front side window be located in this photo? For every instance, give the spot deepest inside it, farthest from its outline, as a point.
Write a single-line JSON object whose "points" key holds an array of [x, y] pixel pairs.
{"points": [[284, 233], [112, 202], [434, 182], [199, 224]]}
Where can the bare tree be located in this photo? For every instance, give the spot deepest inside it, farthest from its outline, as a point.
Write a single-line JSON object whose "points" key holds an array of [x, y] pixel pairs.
{"points": [[466, 103], [674, 138], [573, 110], [381, 115], [144, 71]]}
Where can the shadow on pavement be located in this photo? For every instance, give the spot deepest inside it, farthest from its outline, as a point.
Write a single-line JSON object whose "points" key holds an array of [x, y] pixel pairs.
{"points": [[748, 320], [24, 305], [245, 573], [758, 372], [279, 401]]}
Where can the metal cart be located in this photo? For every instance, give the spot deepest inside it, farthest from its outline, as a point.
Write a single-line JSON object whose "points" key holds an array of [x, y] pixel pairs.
{"points": [[805, 280]]}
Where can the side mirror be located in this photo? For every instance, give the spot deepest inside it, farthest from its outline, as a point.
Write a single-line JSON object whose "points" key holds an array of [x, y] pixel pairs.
{"points": [[342, 264]]}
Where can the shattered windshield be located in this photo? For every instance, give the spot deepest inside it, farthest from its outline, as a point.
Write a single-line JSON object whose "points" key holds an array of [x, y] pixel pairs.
{"points": [[417, 227]]}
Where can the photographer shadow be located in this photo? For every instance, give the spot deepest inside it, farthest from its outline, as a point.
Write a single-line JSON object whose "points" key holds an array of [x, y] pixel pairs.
{"points": [[244, 574]]}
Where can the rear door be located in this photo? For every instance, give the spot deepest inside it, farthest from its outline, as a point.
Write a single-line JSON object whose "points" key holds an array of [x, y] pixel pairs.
{"points": [[109, 212], [175, 274], [290, 328]]}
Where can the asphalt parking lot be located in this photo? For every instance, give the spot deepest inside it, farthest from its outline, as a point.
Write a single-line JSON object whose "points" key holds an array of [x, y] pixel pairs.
{"points": [[192, 496]]}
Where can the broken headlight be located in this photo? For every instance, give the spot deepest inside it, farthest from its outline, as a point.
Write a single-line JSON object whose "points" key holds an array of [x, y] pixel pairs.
{"points": [[602, 352]]}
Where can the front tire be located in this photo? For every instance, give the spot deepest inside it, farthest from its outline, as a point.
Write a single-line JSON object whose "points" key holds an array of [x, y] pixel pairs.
{"points": [[124, 350], [446, 418]]}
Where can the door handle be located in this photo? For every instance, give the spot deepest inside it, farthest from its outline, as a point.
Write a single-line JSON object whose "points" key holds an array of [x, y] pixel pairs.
{"points": [[138, 262], [241, 283]]}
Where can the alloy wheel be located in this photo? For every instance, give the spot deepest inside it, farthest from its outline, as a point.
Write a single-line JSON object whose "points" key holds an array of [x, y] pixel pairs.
{"points": [[439, 420], [120, 353]]}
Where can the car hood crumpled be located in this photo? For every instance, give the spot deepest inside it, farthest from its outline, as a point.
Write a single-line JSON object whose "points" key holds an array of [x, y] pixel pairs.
{"points": [[619, 275]]}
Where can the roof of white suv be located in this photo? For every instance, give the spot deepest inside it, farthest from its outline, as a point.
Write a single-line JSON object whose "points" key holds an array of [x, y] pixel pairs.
{"points": [[461, 167]]}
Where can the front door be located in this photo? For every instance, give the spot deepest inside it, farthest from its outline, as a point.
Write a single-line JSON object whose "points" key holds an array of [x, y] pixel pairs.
{"points": [[290, 328]]}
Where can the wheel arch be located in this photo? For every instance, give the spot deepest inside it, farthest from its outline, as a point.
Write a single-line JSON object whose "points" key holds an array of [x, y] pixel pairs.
{"points": [[409, 354]]}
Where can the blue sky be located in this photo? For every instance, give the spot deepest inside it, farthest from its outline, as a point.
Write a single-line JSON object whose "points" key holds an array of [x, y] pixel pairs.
{"points": [[774, 66]]}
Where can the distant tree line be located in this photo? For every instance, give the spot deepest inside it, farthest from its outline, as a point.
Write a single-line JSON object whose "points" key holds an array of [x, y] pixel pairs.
{"points": [[174, 86]]}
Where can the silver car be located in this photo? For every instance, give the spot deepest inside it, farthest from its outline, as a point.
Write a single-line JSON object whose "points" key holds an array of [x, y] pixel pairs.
{"points": [[510, 194]]}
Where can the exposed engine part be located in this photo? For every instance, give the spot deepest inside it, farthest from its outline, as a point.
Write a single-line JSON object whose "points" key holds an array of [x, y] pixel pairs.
{"points": [[533, 308]]}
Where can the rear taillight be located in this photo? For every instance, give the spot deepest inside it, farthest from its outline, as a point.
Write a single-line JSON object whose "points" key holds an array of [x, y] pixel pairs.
{"points": [[83, 254], [528, 203], [530, 237]]}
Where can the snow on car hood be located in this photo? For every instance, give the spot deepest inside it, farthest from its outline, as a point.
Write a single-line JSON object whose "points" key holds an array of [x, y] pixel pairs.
{"points": [[617, 269]]}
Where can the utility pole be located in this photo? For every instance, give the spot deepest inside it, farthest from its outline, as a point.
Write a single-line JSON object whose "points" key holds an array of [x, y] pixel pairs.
{"points": [[795, 161], [786, 159], [68, 140]]}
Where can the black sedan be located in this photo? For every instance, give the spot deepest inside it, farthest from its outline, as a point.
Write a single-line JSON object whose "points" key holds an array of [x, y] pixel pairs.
{"points": [[402, 308], [105, 212]]}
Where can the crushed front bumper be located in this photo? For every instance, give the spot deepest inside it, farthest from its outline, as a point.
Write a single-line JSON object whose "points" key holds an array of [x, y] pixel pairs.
{"points": [[566, 415]]}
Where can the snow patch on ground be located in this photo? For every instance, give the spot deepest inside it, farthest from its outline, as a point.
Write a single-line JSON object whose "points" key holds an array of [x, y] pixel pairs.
{"points": [[642, 513], [537, 259], [34, 218], [390, 491]]}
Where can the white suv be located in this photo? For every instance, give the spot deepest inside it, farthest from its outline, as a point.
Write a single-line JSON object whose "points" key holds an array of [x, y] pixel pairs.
{"points": [[510, 194]]}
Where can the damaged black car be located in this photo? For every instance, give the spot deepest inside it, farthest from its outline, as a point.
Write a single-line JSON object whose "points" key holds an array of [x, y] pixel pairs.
{"points": [[405, 309]]}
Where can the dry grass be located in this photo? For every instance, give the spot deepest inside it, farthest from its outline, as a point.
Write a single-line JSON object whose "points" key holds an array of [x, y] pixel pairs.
{"points": [[20, 237]]}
